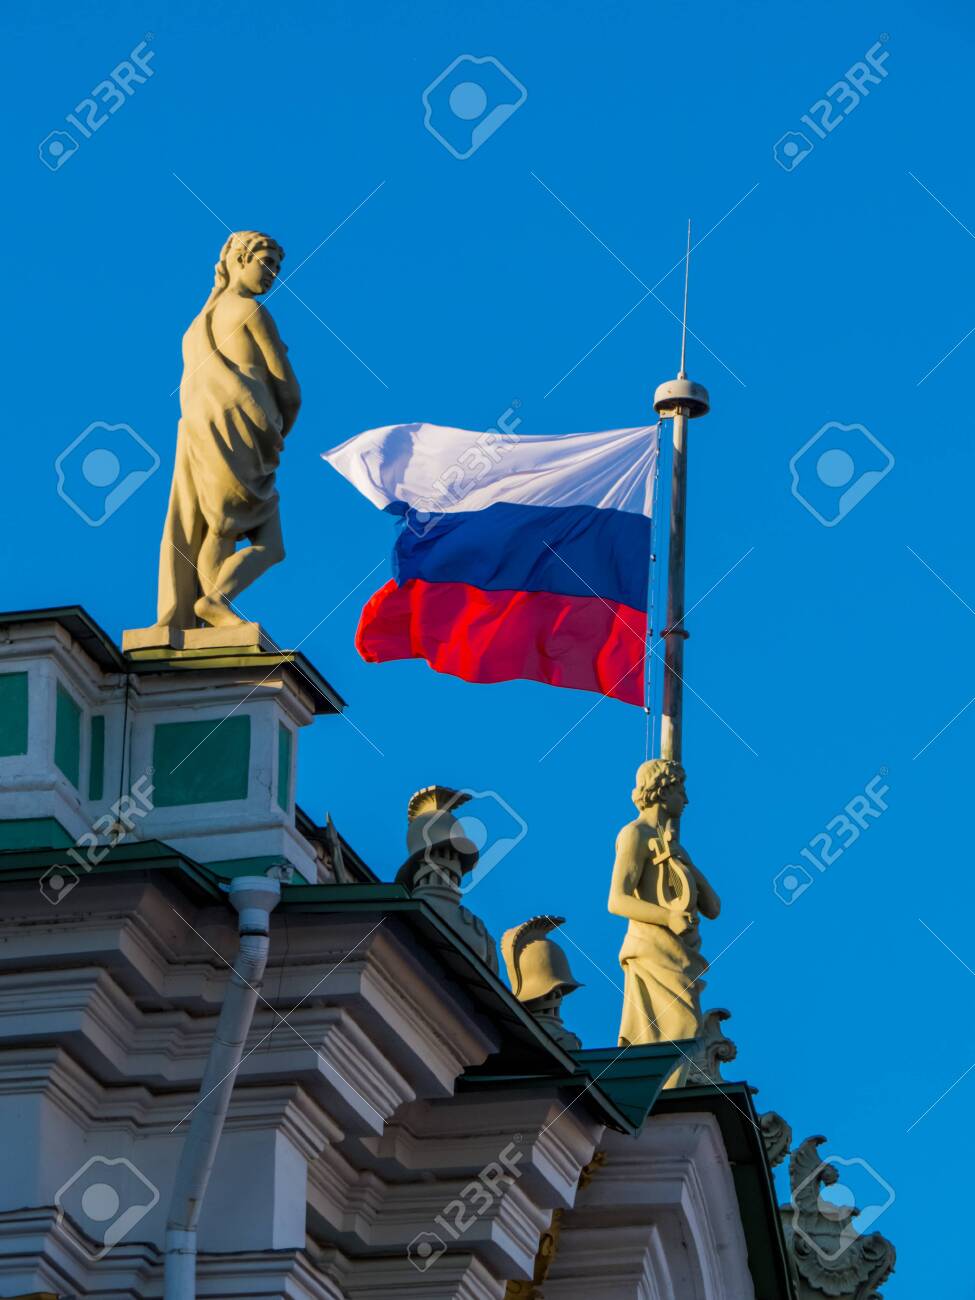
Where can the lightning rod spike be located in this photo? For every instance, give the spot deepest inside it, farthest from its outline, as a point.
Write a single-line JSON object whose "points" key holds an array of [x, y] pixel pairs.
{"points": [[687, 276]]}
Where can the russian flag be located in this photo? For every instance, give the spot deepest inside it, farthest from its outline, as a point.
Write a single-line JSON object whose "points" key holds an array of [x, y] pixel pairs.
{"points": [[517, 557]]}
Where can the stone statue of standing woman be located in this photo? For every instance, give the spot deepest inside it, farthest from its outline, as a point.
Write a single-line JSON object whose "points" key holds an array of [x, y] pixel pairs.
{"points": [[239, 399], [662, 894]]}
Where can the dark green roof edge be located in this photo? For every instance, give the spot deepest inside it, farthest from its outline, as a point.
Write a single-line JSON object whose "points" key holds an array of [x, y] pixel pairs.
{"points": [[140, 855], [733, 1108], [628, 1078], [634, 1076], [92, 638]]}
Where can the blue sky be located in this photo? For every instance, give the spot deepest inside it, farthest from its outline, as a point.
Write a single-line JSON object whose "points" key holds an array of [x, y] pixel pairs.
{"points": [[449, 289]]}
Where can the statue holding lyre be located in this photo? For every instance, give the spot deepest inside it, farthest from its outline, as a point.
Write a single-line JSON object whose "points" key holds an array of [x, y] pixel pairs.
{"points": [[239, 399], [663, 895]]}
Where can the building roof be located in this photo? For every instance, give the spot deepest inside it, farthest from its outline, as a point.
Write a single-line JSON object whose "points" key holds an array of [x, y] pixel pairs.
{"points": [[102, 649]]}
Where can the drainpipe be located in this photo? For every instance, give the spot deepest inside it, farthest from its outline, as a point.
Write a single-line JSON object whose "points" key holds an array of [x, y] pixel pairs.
{"points": [[254, 898]]}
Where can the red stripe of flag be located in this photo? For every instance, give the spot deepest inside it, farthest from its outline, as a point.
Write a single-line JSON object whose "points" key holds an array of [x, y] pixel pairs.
{"points": [[494, 636]]}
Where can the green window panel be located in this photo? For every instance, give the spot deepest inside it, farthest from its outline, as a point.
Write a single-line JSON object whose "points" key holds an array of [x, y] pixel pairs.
{"points": [[96, 768], [67, 736], [36, 833], [284, 767], [13, 713], [201, 762]]}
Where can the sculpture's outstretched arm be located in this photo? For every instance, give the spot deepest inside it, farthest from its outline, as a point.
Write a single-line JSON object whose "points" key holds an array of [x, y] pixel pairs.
{"points": [[630, 854], [283, 377]]}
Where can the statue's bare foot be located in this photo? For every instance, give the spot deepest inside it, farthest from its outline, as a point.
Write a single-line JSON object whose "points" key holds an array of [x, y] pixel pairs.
{"points": [[215, 612]]}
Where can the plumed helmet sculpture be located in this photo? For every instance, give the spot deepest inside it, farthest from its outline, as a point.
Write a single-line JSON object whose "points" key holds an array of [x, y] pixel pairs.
{"points": [[432, 825], [537, 966]]}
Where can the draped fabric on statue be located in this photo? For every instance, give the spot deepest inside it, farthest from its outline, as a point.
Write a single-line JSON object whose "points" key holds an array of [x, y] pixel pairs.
{"points": [[516, 557], [227, 450], [662, 970], [662, 984]]}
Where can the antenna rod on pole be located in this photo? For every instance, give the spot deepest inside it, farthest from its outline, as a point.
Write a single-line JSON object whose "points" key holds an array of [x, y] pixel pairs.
{"points": [[687, 279], [679, 400]]}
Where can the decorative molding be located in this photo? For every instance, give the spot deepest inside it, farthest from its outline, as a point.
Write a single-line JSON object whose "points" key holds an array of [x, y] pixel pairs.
{"points": [[143, 994], [36, 1253], [470, 1129], [660, 1219], [453, 1276], [133, 1270]]}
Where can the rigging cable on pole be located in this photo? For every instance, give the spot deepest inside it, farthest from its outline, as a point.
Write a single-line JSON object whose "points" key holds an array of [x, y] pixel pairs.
{"points": [[651, 605]]}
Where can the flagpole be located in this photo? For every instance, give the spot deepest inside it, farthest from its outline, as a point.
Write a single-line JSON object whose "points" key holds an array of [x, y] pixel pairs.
{"points": [[678, 400]]}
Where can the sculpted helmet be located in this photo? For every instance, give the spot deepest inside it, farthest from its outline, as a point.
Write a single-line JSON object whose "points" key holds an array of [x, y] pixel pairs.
{"points": [[537, 966], [432, 825]]}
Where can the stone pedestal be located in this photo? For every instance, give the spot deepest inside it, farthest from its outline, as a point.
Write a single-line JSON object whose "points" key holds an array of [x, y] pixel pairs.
{"points": [[243, 636]]}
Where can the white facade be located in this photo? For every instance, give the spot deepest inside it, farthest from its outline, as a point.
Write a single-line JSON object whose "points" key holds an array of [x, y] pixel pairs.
{"points": [[363, 1157]]}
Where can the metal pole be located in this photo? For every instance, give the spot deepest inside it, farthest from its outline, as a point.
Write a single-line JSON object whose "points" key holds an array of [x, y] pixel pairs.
{"points": [[681, 400], [674, 633]]}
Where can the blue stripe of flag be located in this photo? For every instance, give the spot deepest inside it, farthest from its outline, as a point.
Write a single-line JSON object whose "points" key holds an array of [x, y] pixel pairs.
{"points": [[571, 551]]}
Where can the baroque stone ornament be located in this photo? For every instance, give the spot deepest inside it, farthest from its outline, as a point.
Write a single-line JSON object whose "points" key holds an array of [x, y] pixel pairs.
{"points": [[657, 888], [777, 1136], [539, 974], [334, 856], [548, 1242], [830, 1256], [239, 399], [440, 856], [713, 1049]]}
